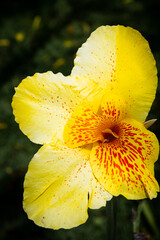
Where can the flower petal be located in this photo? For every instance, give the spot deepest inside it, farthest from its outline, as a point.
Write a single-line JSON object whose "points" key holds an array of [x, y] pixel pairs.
{"points": [[114, 107], [126, 165], [83, 127], [89, 90], [42, 104], [98, 195], [57, 186], [96, 58], [119, 59]]}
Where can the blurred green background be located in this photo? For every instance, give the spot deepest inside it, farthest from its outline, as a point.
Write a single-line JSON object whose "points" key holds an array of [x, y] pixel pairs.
{"points": [[37, 36]]}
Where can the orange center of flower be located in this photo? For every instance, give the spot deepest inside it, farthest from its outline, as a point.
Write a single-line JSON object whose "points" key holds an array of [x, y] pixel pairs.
{"points": [[86, 127]]}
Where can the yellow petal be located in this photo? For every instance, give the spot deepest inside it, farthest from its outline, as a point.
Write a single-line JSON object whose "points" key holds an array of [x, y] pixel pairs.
{"points": [[136, 72], [96, 58], [57, 186], [98, 195], [126, 165], [119, 59], [42, 104], [89, 90]]}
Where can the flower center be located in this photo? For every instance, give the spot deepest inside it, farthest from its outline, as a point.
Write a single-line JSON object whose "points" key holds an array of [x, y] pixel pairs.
{"points": [[109, 135], [86, 127]]}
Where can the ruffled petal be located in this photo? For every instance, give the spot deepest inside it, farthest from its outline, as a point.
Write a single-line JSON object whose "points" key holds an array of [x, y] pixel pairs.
{"points": [[57, 186], [98, 195], [42, 105], [126, 165], [119, 59]]}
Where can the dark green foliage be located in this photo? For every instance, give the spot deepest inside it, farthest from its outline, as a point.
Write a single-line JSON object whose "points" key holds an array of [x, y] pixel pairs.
{"points": [[37, 36]]}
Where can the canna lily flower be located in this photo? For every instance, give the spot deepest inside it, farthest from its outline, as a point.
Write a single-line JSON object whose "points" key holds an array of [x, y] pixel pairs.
{"points": [[91, 126]]}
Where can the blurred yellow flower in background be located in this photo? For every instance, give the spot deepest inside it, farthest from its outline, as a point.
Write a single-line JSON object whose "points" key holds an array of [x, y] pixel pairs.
{"points": [[19, 37]]}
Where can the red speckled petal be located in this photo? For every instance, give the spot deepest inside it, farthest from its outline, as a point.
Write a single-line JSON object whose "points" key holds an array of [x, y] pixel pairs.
{"points": [[84, 127], [125, 166], [113, 107]]}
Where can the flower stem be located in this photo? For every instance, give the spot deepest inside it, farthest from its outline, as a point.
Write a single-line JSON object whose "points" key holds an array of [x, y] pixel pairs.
{"points": [[119, 219], [111, 219]]}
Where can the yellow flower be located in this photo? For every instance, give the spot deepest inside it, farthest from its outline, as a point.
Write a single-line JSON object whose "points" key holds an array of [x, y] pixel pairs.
{"points": [[59, 62], [19, 37], [90, 123]]}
